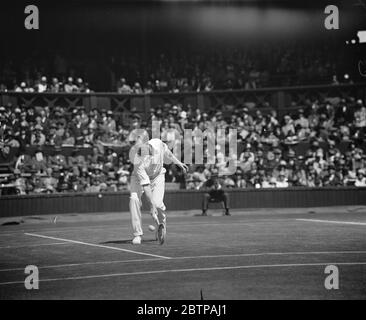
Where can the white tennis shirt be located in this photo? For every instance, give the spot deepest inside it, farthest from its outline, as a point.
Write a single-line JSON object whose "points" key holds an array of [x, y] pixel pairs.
{"points": [[148, 167]]}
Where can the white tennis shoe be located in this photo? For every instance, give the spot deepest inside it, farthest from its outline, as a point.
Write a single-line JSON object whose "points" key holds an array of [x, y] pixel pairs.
{"points": [[136, 240]]}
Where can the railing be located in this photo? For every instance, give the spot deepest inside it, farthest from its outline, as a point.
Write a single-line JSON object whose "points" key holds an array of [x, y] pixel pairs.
{"points": [[279, 98], [181, 200]]}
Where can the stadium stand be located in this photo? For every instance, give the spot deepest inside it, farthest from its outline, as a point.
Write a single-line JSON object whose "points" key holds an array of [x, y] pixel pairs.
{"points": [[312, 143], [201, 69]]}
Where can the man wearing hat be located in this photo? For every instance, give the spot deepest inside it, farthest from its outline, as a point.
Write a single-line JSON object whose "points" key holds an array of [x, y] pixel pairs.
{"points": [[23, 120], [98, 173], [288, 129], [20, 183], [333, 178], [53, 138], [269, 160], [39, 161], [281, 181], [49, 182], [361, 179], [110, 122], [277, 156], [360, 116], [58, 159], [247, 117], [246, 160], [123, 87], [38, 138], [42, 85], [23, 139], [111, 185], [214, 193], [302, 120], [69, 86], [31, 116], [55, 85], [10, 139]]}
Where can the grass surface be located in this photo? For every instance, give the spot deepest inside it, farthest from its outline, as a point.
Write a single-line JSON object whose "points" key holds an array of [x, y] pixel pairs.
{"points": [[258, 254]]}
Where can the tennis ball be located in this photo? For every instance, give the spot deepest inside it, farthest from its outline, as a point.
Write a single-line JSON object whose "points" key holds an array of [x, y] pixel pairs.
{"points": [[151, 228]]}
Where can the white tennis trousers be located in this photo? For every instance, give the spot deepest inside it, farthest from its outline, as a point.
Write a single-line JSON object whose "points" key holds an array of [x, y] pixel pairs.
{"points": [[157, 188]]}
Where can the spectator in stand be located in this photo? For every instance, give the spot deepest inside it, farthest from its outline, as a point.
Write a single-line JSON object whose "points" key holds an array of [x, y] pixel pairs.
{"points": [[23, 88], [360, 180], [38, 162], [42, 85], [49, 182], [55, 85], [240, 181], [69, 86], [24, 139], [81, 86], [123, 87], [137, 88], [38, 138], [20, 182], [31, 116], [246, 160], [68, 139], [110, 123], [148, 88], [288, 128], [52, 138], [281, 181], [229, 182]]}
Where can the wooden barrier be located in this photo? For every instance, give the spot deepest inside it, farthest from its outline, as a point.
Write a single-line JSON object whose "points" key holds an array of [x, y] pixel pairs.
{"points": [[180, 200], [279, 98]]}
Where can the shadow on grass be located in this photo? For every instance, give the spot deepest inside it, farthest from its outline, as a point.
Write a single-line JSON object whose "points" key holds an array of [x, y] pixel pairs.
{"points": [[126, 241], [11, 223]]}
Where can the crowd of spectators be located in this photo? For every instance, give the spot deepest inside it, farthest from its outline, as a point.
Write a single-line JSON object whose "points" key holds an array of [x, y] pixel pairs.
{"points": [[199, 69], [270, 153], [271, 156], [227, 69], [55, 85]]}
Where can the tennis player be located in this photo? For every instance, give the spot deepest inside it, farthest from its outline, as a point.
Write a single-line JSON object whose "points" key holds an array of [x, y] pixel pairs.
{"points": [[148, 178]]}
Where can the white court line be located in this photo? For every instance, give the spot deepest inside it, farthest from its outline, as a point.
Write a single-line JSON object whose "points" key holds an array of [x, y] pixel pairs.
{"points": [[272, 254], [288, 265], [124, 226], [86, 264], [332, 221], [189, 257], [95, 245], [34, 245]]}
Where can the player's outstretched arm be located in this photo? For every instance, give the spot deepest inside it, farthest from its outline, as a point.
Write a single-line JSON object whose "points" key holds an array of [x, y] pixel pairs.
{"points": [[180, 164], [174, 159]]}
